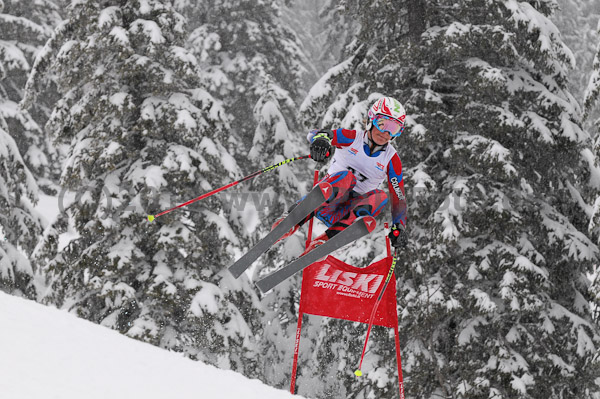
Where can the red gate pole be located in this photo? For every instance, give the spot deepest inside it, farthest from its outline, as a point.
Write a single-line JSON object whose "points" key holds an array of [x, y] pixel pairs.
{"points": [[300, 313], [396, 331], [399, 360], [296, 350]]}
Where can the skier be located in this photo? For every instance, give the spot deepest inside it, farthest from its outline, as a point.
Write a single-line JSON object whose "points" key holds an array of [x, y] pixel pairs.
{"points": [[361, 163]]}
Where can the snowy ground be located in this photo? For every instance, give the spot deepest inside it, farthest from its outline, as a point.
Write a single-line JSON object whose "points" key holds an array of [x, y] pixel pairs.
{"points": [[51, 354]]}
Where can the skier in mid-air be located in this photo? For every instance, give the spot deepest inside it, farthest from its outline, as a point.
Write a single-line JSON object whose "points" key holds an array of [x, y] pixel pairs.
{"points": [[346, 200], [361, 162]]}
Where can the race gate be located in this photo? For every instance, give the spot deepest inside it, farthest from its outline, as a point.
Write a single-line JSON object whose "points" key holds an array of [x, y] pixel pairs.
{"points": [[336, 289]]}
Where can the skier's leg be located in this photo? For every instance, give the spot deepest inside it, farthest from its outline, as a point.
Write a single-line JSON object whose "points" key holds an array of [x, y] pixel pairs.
{"points": [[370, 203], [342, 183]]}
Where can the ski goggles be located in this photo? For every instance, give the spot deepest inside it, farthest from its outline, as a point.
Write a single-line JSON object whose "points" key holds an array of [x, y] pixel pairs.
{"points": [[385, 124]]}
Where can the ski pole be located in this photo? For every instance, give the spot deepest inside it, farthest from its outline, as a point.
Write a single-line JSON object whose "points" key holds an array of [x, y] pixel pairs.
{"points": [[250, 176], [358, 372]]}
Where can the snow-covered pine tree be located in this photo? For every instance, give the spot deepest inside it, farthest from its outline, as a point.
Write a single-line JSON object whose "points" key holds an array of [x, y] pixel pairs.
{"points": [[592, 91], [322, 29], [20, 148], [493, 294], [25, 27], [276, 141], [144, 135], [592, 95], [239, 44], [20, 228], [577, 21], [255, 63]]}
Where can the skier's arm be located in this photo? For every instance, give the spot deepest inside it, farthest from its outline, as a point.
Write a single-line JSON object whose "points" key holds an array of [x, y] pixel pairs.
{"points": [[339, 137], [396, 188]]}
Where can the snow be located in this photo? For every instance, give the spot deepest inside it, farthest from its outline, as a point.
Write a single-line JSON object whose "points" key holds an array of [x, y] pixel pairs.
{"points": [[470, 332], [150, 29], [355, 116], [48, 353], [183, 55], [489, 150], [520, 383], [118, 99], [322, 88], [591, 90], [48, 208], [525, 13], [108, 16], [585, 345], [145, 7], [123, 250], [588, 155], [10, 151], [487, 71], [181, 159], [154, 177], [483, 301], [13, 56], [576, 244], [445, 215], [11, 261], [24, 23], [522, 263], [66, 48], [120, 35], [206, 299], [573, 131], [225, 231]]}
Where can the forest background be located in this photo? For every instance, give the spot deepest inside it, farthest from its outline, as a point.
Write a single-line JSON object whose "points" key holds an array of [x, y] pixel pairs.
{"points": [[118, 109]]}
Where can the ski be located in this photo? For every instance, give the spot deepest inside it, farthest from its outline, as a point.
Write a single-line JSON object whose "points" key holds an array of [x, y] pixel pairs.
{"points": [[361, 227], [319, 194]]}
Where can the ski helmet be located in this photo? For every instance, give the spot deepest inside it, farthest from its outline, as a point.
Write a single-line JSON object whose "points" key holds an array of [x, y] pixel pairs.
{"points": [[387, 115]]}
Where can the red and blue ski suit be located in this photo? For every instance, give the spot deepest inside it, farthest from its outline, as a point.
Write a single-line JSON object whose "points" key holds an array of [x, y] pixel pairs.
{"points": [[355, 175]]}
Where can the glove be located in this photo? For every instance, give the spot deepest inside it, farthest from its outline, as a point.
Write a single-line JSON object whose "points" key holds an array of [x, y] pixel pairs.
{"points": [[398, 236], [320, 148]]}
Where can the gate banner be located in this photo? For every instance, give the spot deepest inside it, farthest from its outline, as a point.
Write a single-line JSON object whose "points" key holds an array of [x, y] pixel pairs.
{"points": [[333, 288]]}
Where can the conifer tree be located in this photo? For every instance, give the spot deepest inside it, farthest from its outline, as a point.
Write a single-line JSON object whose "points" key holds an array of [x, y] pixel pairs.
{"points": [[144, 135], [577, 21], [592, 92], [254, 62], [243, 47], [20, 226], [274, 139], [493, 291], [322, 29], [25, 27]]}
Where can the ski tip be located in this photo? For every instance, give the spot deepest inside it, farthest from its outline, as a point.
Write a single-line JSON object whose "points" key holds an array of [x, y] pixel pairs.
{"points": [[151, 218], [370, 223], [326, 189], [358, 373], [262, 286], [235, 271]]}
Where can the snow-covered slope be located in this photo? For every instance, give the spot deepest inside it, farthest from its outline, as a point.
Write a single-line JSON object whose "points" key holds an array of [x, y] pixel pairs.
{"points": [[48, 353]]}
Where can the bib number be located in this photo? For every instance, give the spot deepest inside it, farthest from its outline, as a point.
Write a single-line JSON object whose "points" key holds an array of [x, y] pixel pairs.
{"points": [[361, 178]]}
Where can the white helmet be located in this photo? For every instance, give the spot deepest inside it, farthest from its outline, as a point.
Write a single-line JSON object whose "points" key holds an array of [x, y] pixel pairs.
{"points": [[387, 115]]}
